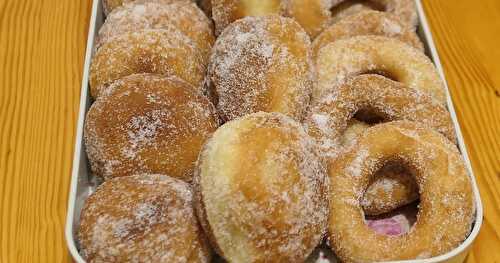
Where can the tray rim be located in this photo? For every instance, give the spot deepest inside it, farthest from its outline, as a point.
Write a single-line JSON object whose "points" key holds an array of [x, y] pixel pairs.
{"points": [[84, 100]]}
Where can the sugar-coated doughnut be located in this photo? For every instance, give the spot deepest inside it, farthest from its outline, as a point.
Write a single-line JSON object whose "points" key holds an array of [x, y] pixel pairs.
{"points": [[260, 190], [261, 64], [367, 23], [316, 15], [446, 206], [142, 218], [110, 5], [184, 16], [148, 123], [328, 118], [390, 57], [160, 51], [225, 12], [405, 10]]}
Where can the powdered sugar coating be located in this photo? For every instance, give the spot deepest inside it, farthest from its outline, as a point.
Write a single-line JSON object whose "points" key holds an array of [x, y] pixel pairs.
{"points": [[260, 190], [261, 64], [446, 205], [367, 23], [110, 5], [183, 16], [159, 51], [225, 12], [345, 58], [148, 123], [141, 218]]}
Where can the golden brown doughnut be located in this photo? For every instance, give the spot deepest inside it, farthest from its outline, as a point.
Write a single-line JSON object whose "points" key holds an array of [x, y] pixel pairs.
{"points": [[259, 190], [110, 5], [183, 16], [148, 123], [142, 218], [328, 122], [367, 23], [225, 12], [390, 57], [261, 64], [160, 51], [446, 207]]}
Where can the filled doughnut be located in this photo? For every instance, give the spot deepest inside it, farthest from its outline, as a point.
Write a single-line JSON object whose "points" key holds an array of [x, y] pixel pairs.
{"points": [[446, 206], [367, 23], [182, 16], [405, 10], [390, 57], [328, 119], [110, 5], [160, 51], [261, 64], [148, 123], [142, 218], [260, 190], [316, 15], [225, 12]]}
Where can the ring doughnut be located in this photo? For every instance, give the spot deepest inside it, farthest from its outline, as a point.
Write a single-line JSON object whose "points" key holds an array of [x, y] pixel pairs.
{"points": [[183, 16], [316, 15], [367, 23], [225, 12], [148, 123], [261, 64], [110, 5], [405, 10], [149, 51], [446, 205], [390, 57], [142, 218], [328, 119], [259, 190]]}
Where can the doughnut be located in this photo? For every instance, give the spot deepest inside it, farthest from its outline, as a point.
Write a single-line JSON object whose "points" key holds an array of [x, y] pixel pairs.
{"points": [[405, 10], [446, 208], [225, 12], [148, 123], [142, 218], [329, 120], [261, 64], [376, 54], [110, 5], [159, 51], [316, 15], [367, 23], [183, 16], [260, 190]]}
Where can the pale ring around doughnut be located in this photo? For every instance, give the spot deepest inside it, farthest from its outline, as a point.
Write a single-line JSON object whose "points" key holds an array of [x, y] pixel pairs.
{"points": [[446, 206], [345, 58], [260, 190]]}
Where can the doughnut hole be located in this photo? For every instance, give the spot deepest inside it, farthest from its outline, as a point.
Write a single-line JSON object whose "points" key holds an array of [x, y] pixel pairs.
{"points": [[383, 73], [361, 120], [350, 7], [393, 185]]}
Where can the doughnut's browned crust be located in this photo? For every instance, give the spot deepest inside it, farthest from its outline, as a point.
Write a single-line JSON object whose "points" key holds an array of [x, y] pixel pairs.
{"points": [[160, 51], [261, 64], [225, 12], [368, 23], [260, 190], [446, 200], [142, 218], [183, 16], [339, 60], [148, 123], [110, 5]]}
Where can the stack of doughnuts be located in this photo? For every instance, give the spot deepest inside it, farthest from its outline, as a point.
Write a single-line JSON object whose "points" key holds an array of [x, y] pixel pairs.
{"points": [[258, 131]]}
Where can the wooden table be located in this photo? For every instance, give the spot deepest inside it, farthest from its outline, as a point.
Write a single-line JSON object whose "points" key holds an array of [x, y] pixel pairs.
{"points": [[42, 46]]}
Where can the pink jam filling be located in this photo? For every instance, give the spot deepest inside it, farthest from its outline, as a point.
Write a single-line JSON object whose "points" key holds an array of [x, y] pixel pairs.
{"points": [[392, 226]]}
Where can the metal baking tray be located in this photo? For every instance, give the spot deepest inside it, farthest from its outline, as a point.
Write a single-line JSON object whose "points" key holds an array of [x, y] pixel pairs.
{"points": [[83, 183]]}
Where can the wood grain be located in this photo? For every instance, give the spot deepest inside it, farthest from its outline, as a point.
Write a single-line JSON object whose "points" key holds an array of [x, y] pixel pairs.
{"points": [[42, 45]]}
